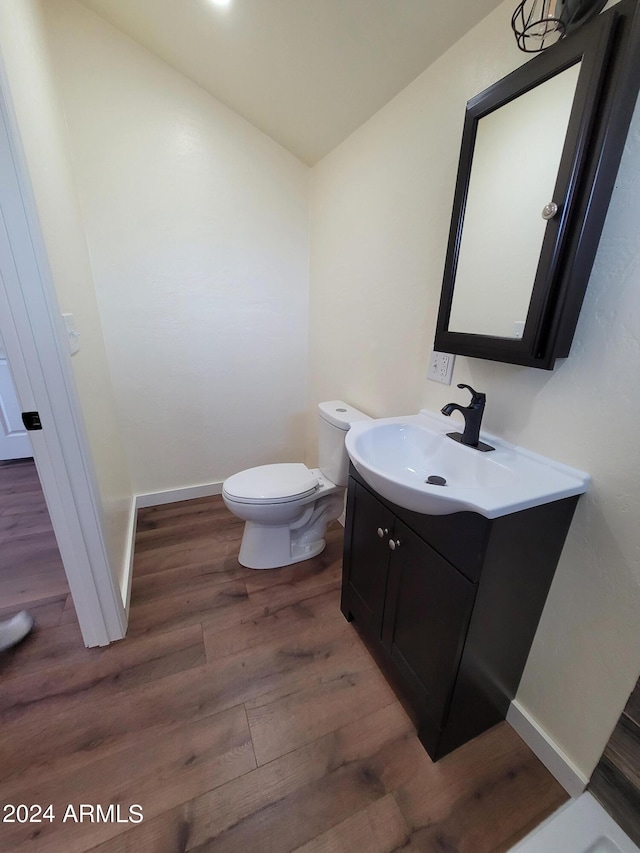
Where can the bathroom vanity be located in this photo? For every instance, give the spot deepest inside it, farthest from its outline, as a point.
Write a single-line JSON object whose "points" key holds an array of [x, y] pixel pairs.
{"points": [[449, 603]]}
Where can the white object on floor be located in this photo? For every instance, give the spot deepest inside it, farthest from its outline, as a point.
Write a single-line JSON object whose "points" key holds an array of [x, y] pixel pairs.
{"points": [[15, 629], [286, 506], [581, 826]]}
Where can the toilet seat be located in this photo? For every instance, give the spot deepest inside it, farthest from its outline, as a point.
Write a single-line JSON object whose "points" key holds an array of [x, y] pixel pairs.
{"points": [[272, 484]]}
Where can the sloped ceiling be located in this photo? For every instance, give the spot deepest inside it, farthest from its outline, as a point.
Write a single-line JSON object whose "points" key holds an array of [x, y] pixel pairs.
{"points": [[306, 72]]}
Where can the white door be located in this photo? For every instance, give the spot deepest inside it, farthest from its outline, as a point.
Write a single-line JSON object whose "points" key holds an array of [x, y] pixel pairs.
{"points": [[14, 439]]}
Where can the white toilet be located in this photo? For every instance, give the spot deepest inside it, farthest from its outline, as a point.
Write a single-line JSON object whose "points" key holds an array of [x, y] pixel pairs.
{"points": [[286, 507]]}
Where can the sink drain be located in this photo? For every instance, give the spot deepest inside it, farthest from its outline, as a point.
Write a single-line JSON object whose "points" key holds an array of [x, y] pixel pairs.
{"points": [[434, 480]]}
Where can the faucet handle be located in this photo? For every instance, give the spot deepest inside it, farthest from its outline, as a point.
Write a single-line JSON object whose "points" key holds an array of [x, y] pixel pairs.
{"points": [[476, 396]]}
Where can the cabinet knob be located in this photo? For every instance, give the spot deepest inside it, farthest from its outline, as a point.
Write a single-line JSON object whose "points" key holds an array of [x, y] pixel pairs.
{"points": [[394, 543], [382, 533]]}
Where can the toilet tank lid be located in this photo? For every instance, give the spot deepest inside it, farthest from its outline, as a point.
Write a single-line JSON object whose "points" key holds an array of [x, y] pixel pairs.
{"points": [[340, 414]]}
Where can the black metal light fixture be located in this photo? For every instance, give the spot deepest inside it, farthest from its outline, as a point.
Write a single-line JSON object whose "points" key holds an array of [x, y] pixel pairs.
{"points": [[537, 24]]}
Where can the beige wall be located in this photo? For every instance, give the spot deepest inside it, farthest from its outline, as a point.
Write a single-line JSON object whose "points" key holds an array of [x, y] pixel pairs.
{"points": [[43, 133], [380, 212], [197, 224]]}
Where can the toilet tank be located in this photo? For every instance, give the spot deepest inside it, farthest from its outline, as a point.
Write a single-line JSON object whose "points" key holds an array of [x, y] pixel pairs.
{"points": [[335, 418]]}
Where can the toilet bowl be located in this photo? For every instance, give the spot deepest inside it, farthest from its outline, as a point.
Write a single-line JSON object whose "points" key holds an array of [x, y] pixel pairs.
{"points": [[286, 506]]}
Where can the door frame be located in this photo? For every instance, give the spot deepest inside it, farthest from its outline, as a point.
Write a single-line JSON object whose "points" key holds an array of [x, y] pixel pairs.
{"points": [[35, 343]]}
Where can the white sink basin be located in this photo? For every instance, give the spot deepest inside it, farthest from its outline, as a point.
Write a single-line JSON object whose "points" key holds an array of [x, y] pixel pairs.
{"points": [[395, 456]]}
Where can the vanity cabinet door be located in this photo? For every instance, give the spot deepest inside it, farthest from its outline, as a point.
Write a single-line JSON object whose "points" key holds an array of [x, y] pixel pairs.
{"points": [[429, 604], [369, 558]]}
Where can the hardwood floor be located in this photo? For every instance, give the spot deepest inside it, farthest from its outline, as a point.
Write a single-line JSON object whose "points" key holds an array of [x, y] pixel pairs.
{"points": [[241, 713], [616, 780], [31, 573]]}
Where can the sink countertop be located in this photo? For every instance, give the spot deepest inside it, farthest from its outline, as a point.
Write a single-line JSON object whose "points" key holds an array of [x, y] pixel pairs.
{"points": [[396, 455]]}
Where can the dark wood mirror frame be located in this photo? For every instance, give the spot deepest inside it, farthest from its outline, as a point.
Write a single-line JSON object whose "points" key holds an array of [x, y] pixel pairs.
{"points": [[608, 85]]}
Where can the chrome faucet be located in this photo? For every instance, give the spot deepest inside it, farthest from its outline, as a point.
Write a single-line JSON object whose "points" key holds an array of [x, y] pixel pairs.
{"points": [[472, 415]]}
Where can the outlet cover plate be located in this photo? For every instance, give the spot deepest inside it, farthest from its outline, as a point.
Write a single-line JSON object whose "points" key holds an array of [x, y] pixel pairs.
{"points": [[441, 367]]}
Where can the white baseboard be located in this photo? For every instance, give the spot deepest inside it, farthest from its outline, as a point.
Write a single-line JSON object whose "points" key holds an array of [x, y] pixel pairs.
{"points": [[175, 495], [554, 759], [125, 583], [154, 499]]}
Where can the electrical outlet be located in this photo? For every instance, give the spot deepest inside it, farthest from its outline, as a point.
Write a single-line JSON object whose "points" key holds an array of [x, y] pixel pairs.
{"points": [[441, 367]]}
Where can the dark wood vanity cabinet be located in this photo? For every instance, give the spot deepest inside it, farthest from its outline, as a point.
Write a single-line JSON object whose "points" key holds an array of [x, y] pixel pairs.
{"points": [[449, 604]]}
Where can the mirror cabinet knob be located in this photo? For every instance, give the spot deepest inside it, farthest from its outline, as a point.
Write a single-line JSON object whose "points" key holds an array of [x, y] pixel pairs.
{"points": [[549, 210]]}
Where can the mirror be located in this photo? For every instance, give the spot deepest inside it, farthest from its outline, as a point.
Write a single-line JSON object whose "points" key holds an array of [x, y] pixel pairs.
{"points": [[498, 254], [516, 270]]}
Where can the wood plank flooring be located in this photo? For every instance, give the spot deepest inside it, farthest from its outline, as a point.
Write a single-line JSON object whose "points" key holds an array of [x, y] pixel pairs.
{"points": [[242, 713], [616, 780], [31, 572]]}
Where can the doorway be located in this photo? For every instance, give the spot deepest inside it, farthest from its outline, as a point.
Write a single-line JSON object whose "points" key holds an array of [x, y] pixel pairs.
{"points": [[32, 575], [14, 438], [32, 329]]}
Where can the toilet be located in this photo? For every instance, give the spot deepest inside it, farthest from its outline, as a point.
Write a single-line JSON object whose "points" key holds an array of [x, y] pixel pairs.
{"points": [[286, 507]]}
